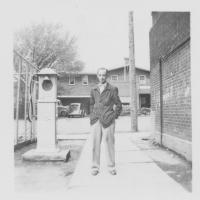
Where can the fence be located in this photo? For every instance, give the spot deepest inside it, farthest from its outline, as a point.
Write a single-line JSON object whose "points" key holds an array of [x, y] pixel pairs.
{"points": [[25, 97]]}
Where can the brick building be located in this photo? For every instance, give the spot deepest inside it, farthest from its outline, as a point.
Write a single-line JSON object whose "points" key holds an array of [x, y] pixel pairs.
{"points": [[75, 87], [170, 80]]}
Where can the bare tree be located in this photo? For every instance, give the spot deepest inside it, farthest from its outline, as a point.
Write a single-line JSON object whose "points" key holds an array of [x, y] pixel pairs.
{"points": [[48, 45]]}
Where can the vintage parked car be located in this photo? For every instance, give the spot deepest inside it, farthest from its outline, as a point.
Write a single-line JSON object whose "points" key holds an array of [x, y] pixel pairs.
{"points": [[76, 109], [62, 110]]}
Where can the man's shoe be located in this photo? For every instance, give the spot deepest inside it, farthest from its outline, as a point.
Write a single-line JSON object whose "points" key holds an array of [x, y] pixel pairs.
{"points": [[113, 172], [95, 172]]}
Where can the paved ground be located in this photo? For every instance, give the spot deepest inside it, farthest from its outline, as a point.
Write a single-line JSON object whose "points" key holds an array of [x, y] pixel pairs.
{"points": [[171, 163], [82, 125], [39, 177], [174, 165], [138, 175], [56, 176], [68, 126]]}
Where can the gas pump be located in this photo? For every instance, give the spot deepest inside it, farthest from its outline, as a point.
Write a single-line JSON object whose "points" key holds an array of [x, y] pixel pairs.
{"points": [[46, 120]]}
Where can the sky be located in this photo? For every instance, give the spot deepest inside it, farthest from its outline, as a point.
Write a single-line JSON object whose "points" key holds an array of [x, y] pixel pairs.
{"points": [[101, 29]]}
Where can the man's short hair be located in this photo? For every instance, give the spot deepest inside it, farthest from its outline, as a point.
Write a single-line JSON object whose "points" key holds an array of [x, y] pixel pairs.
{"points": [[102, 68]]}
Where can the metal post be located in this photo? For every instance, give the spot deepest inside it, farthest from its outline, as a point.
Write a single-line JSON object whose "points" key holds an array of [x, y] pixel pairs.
{"points": [[132, 76], [30, 105], [34, 108], [25, 102], [18, 96], [124, 73]]}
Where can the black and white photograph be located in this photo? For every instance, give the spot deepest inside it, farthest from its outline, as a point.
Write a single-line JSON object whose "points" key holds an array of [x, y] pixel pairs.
{"points": [[102, 101]]}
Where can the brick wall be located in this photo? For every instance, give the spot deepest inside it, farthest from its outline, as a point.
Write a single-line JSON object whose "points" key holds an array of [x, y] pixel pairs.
{"points": [[155, 95], [167, 39], [177, 94], [169, 30]]}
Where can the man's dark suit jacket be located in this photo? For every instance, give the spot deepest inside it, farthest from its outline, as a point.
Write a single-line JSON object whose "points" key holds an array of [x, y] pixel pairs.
{"points": [[101, 105]]}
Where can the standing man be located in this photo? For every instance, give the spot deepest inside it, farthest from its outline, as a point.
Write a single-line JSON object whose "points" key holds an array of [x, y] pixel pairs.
{"points": [[102, 120]]}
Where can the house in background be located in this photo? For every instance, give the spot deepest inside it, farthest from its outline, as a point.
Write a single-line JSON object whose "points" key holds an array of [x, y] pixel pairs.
{"points": [[120, 78], [76, 87], [170, 75]]}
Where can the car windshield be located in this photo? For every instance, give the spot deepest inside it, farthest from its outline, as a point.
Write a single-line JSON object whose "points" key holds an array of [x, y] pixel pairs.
{"points": [[74, 107]]}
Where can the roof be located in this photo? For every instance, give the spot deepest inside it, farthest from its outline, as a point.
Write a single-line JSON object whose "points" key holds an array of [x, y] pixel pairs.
{"points": [[89, 71], [94, 71], [75, 96], [113, 68], [81, 72]]}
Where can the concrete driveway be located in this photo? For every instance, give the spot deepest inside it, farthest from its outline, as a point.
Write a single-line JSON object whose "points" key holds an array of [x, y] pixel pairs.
{"points": [[82, 125]]}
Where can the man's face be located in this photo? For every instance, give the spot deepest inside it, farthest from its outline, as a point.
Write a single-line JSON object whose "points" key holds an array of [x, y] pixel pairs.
{"points": [[102, 76]]}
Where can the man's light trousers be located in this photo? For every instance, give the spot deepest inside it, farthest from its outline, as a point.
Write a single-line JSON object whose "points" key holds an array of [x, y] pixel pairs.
{"points": [[97, 132]]}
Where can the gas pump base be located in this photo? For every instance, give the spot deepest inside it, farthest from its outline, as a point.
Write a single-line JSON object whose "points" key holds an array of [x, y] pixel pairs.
{"points": [[47, 155]]}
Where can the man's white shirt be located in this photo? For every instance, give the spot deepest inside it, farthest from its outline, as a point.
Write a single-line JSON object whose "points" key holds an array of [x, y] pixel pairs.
{"points": [[102, 87]]}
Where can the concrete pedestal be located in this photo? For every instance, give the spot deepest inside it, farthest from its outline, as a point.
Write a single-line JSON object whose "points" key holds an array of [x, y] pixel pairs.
{"points": [[46, 121], [46, 155]]}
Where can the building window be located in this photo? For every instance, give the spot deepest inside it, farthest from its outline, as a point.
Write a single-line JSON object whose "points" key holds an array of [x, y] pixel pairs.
{"points": [[85, 80], [71, 80], [142, 79], [114, 78]]}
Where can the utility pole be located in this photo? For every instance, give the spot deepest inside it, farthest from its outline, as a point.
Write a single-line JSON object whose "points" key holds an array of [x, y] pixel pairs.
{"points": [[132, 76]]}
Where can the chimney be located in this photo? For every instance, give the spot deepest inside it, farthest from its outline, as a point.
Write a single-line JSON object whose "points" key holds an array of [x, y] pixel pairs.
{"points": [[126, 61]]}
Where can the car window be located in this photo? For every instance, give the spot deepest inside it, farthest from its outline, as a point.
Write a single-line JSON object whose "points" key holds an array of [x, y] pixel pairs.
{"points": [[74, 107]]}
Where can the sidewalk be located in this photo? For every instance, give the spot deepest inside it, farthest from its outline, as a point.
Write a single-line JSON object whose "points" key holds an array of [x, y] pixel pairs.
{"points": [[138, 177]]}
